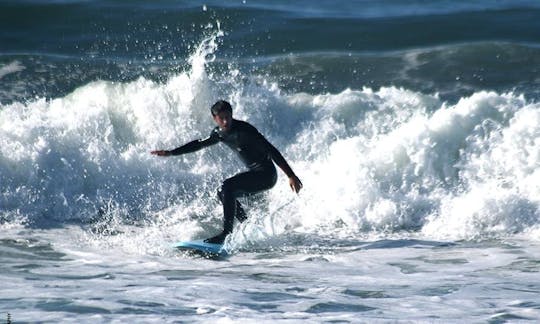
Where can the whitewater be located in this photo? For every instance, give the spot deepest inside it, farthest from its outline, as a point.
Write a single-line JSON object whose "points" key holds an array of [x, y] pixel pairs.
{"points": [[414, 208]]}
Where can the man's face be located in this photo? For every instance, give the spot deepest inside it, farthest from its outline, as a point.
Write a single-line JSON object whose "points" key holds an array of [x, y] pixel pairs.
{"points": [[224, 120]]}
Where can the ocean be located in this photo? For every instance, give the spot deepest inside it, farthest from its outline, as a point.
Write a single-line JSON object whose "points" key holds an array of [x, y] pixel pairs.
{"points": [[413, 125]]}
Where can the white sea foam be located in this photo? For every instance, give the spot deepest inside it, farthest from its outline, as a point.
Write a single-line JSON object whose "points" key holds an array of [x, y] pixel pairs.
{"points": [[384, 161]]}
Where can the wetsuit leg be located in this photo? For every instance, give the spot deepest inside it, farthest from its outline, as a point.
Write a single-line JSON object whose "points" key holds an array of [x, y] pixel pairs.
{"points": [[243, 184], [240, 212]]}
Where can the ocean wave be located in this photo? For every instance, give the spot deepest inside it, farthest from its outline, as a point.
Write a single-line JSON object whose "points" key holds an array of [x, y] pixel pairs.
{"points": [[387, 160]]}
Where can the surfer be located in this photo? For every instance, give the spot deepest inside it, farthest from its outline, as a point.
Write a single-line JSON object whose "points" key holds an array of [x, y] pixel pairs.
{"points": [[254, 150]]}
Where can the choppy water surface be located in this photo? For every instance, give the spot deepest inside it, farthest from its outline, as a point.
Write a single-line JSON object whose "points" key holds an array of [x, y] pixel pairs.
{"points": [[349, 280]]}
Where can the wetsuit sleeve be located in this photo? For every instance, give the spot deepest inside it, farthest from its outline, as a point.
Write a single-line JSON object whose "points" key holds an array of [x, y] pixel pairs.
{"points": [[278, 158], [195, 145]]}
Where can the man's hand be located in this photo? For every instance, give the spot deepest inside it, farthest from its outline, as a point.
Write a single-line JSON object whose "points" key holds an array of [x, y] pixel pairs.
{"points": [[160, 153], [295, 183]]}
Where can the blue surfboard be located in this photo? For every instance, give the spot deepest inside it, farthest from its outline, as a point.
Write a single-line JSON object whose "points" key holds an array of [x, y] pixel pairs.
{"points": [[200, 247]]}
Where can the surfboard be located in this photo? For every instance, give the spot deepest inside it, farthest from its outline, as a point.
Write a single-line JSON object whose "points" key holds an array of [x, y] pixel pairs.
{"points": [[200, 247]]}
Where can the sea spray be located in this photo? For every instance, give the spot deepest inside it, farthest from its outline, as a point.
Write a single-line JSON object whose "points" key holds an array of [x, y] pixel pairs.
{"points": [[382, 161], [500, 173], [400, 176], [64, 158]]}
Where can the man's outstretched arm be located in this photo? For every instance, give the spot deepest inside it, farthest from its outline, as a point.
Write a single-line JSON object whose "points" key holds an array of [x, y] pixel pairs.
{"points": [[190, 147]]}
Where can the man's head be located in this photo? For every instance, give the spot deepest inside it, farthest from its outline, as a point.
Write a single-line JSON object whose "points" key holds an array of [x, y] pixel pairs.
{"points": [[222, 114], [220, 106]]}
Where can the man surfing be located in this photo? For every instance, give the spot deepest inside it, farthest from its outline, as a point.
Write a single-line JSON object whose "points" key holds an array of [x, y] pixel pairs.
{"points": [[256, 153]]}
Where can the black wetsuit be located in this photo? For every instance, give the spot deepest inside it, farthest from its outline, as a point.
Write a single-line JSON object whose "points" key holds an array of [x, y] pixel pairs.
{"points": [[256, 153]]}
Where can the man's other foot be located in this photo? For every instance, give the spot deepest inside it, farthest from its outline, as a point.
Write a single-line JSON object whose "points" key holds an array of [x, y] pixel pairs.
{"points": [[218, 239]]}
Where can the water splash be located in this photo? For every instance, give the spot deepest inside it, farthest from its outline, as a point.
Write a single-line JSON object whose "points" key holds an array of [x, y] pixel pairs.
{"points": [[387, 162]]}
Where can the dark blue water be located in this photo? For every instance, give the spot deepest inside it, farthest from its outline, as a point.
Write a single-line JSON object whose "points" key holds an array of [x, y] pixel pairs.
{"points": [[452, 48]]}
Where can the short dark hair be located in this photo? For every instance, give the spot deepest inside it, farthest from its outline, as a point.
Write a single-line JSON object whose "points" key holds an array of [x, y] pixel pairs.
{"points": [[220, 106]]}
